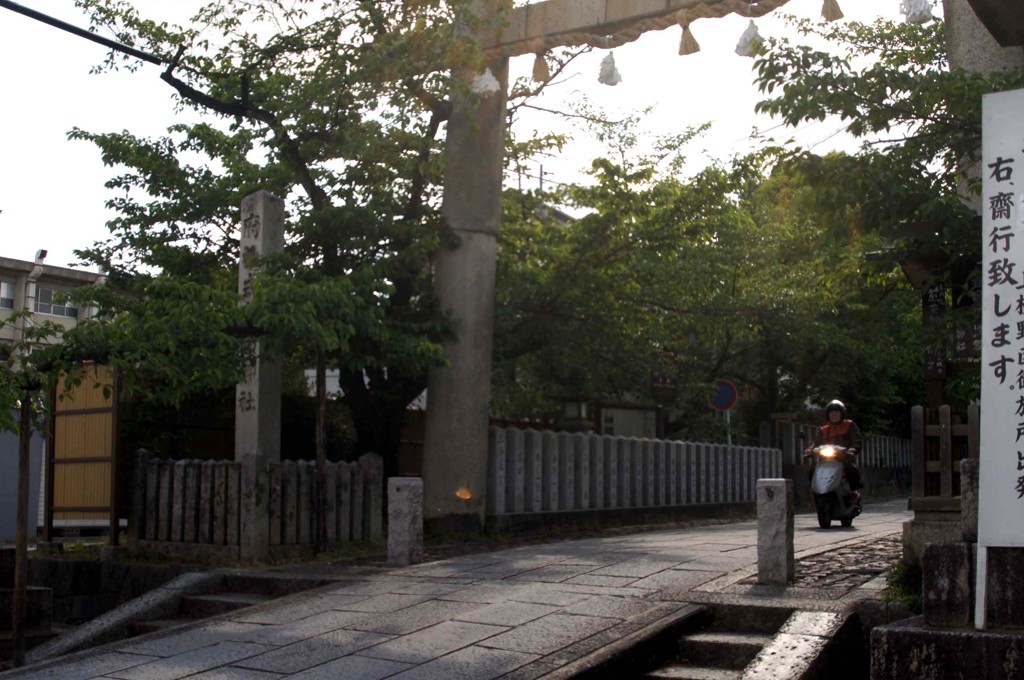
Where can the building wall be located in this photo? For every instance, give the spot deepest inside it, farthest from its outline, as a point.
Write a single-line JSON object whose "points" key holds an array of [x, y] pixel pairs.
{"points": [[28, 283]]}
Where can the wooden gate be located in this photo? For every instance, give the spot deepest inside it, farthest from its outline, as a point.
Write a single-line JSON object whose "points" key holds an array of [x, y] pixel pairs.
{"points": [[81, 472]]}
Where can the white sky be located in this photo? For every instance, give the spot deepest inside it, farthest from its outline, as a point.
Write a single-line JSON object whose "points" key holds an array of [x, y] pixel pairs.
{"points": [[51, 189]]}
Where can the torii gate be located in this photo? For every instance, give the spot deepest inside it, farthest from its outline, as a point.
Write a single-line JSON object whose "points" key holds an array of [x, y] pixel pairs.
{"points": [[455, 446]]}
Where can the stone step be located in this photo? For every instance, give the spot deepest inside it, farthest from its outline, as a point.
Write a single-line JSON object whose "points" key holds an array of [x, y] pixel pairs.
{"points": [[748, 619], [33, 638], [677, 671], [152, 626], [728, 650], [203, 606], [269, 583]]}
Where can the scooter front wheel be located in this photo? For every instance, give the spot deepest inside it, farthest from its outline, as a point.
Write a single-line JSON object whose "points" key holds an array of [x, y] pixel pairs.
{"points": [[823, 504]]}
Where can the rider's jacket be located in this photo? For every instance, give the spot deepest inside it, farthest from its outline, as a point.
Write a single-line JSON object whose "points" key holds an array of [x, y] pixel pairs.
{"points": [[845, 433]]}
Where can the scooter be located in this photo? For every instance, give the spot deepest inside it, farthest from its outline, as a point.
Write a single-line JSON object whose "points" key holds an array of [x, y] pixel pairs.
{"points": [[831, 490]]}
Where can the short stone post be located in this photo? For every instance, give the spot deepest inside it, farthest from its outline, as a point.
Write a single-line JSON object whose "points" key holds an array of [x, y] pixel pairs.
{"points": [[405, 520], [775, 564]]}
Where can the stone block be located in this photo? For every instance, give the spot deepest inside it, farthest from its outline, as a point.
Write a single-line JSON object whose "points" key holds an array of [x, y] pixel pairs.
{"points": [[38, 608], [405, 520], [566, 472], [313, 651], [948, 581], [194, 662], [910, 649], [917, 533], [581, 453], [360, 667], [775, 563], [969, 499], [205, 533], [549, 633], [533, 471], [331, 502], [496, 465], [433, 642], [1005, 597], [549, 471], [344, 502]]}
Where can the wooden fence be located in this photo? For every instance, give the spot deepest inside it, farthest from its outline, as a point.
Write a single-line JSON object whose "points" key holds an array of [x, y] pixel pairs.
{"points": [[940, 442], [199, 503], [535, 472]]}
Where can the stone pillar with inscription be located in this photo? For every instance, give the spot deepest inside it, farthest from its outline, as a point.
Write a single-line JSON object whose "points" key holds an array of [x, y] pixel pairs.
{"points": [[258, 396]]}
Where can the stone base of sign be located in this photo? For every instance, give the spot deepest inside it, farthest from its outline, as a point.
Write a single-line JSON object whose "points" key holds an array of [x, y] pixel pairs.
{"points": [[405, 520], [775, 563], [917, 533], [948, 584], [911, 649], [1004, 601]]}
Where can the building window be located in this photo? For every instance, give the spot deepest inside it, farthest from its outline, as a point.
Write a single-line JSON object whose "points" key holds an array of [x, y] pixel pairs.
{"points": [[6, 295], [45, 304]]}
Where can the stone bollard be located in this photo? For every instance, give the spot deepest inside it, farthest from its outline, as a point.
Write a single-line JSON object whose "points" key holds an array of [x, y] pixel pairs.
{"points": [[775, 564], [405, 520]]}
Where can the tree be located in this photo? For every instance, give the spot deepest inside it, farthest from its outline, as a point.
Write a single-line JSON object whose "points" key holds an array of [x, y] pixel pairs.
{"points": [[729, 273], [338, 107], [921, 126]]}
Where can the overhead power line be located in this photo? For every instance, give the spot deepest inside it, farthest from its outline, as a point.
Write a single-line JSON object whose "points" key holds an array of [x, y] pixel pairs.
{"points": [[81, 32]]}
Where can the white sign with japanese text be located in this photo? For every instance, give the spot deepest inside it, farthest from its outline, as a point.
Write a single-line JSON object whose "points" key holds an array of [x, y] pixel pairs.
{"points": [[1001, 492], [1001, 457]]}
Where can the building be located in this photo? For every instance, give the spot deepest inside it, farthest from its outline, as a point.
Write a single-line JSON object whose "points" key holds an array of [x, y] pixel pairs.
{"points": [[37, 287]]}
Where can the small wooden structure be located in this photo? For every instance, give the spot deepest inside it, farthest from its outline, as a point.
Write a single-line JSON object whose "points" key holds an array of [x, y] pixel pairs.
{"points": [[940, 441], [82, 466]]}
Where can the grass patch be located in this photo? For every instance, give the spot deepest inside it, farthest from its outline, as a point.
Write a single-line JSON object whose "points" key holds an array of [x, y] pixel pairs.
{"points": [[904, 585]]}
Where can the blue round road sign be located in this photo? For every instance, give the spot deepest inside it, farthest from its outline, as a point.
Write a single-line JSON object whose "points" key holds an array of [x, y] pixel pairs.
{"points": [[723, 396]]}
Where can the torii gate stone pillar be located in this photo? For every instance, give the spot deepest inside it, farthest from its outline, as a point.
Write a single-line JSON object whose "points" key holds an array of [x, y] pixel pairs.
{"points": [[459, 395]]}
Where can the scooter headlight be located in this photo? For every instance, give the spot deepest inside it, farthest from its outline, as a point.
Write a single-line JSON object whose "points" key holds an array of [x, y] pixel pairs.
{"points": [[828, 452]]}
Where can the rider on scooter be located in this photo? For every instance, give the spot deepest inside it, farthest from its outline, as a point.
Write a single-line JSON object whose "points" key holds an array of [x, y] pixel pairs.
{"points": [[841, 431]]}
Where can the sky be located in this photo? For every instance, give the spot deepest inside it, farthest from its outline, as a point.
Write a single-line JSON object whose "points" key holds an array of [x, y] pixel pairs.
{"points": [[52, 190]]}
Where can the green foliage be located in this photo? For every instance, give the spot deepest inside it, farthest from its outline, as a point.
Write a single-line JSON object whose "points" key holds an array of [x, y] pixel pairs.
{"points": [[733, 273], [335, 106], [904, 585], [921, 125]]}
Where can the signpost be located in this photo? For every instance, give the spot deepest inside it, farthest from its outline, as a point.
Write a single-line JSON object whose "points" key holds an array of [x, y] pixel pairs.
{"points": [[1001, 457], [723, 398]]}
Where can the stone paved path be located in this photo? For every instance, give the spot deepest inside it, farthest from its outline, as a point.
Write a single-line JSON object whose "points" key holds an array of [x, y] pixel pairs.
{"points": [[516, 614]]}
